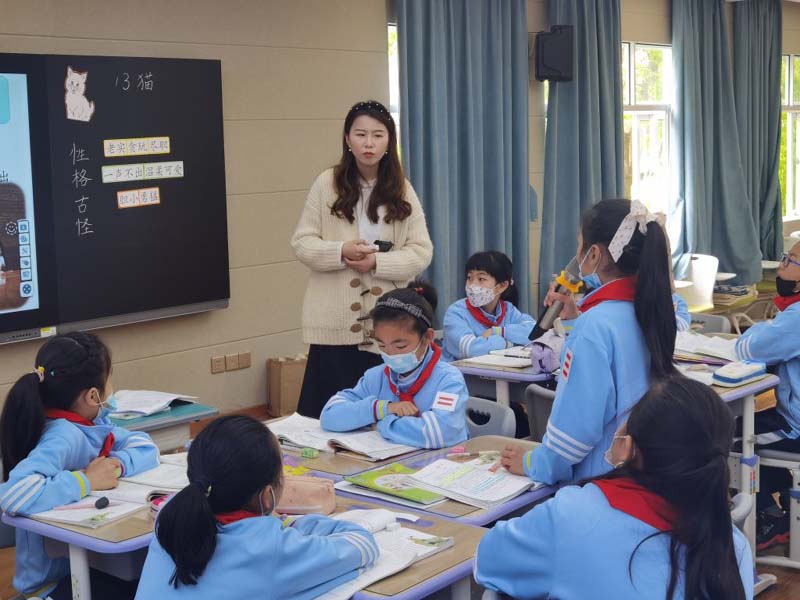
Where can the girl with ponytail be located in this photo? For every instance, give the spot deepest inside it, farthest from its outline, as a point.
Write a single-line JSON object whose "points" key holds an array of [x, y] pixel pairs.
{"points": [[488, 318], [218, 538], [656, 527], [417, 398], [622, 340], [58, 445]]}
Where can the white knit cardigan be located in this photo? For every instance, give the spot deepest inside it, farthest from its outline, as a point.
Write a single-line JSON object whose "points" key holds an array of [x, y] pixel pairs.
{"points": [[337, 298]]}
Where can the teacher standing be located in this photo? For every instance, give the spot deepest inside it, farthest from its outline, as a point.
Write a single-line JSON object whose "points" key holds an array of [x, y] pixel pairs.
{"points": [[363, 199]]}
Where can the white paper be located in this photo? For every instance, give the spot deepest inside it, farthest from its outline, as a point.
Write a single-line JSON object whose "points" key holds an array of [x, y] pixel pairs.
{"points": [[374, 519], [125, 492]]}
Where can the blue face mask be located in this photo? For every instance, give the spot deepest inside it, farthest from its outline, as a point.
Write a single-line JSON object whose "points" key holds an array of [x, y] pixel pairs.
{"points": [[592, 280], [108, 406], [402, 363]]}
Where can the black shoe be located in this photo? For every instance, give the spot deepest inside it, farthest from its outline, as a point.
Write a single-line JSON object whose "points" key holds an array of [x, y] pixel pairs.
{"points": [[771, 530]]}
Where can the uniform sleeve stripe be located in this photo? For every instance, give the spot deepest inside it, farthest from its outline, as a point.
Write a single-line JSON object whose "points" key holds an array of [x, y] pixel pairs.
{"points": [[139, 444], [436, 431], [353, 542], [465, 344], [426, 433], [17, 490], [31, 492], [571, 459], [81, 482], [554, 441], [569, 440]]}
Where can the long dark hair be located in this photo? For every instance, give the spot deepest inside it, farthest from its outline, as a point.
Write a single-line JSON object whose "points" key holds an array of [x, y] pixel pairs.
{"points": [[420, 294], [645, 257], [390, 189], [683, 432], [499, 266], [71, 363], [230, 462]]}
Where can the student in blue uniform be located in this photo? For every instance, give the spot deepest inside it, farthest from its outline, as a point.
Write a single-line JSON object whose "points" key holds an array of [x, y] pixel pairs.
{"points": [[417, 398], [57, 446], [682, 317], [777, 343], [217, 537], [655, 527], [623, 338], [487, 319]]}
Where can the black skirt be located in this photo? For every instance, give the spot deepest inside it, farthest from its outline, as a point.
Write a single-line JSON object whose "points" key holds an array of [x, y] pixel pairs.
{"points": [[331, 369]]}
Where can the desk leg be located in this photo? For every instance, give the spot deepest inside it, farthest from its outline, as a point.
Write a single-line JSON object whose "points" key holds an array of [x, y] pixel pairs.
{"points": [[79, 569], [748, 474], [461, 589], [503, 389]]}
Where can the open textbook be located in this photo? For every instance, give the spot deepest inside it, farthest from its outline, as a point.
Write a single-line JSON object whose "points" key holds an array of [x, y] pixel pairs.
{"points": [[400, 547], [132, 404], [689, 344], [303, 432], [390, 481], [473, 482]]}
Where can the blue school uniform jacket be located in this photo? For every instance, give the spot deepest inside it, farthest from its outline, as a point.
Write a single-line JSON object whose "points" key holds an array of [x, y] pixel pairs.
{"points": [[777, 342], [261, 558], [605, 370], [576, 546], [52, 475], [682, 318], [462, 332], [442, 403]]}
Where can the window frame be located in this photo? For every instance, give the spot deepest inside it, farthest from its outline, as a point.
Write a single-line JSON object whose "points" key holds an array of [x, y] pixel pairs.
{"points": [[629, 106], [792, 111]]}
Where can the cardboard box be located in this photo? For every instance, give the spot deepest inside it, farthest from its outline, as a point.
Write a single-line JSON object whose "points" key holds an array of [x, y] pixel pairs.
{"points": [[284, 381]]}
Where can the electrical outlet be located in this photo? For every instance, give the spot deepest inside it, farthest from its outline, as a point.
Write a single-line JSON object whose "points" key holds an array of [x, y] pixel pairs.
{"points": [[231, 362], [244, 360], [217, 364]]}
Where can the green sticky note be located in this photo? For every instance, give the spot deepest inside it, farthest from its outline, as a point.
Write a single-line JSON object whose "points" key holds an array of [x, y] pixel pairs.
{"points": [[5, 102]]}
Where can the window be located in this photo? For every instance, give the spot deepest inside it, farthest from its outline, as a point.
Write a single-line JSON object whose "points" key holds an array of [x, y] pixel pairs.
{"points": [[647, 92], [789, 169]]}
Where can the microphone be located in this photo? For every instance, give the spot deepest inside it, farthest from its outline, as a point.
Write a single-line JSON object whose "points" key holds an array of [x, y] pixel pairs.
{"points": [[568, 282]]}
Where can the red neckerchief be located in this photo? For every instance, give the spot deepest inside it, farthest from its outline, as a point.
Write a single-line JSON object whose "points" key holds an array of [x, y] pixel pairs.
{"points": [[627, 496], [478, 315], [73, 417], [235, 515], [619, 289], [784, 302], [421, 380]]}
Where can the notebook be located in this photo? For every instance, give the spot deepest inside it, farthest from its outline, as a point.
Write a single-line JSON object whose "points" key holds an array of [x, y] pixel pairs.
{"points": [[134, 493], [298, 431], [132, 404], [84, 513], [514, 352], [392, 481], [472, 482], [400, 547]]}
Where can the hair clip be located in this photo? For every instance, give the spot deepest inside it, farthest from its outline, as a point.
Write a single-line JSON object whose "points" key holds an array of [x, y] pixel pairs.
{"points": [[39, 373], [419, 290]]}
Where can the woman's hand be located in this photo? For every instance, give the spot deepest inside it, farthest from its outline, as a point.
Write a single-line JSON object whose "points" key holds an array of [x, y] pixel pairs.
{"points": [[365, 265], [570, 310], [356, 250]]}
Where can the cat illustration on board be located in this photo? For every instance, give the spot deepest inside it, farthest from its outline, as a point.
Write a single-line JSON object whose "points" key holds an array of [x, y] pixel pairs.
{"points": [[79, 108]]}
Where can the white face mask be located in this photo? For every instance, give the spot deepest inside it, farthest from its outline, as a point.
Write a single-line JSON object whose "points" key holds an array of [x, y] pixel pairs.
{"points": [[479, 296], [609, 458], [261, 503]]}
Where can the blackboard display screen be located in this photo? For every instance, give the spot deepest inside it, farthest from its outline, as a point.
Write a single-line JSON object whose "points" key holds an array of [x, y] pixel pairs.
{"points": [[112, 191]]}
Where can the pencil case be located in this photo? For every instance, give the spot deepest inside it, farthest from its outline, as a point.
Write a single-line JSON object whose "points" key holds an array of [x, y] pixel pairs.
{"points": [[739, 373], [303, 495]]}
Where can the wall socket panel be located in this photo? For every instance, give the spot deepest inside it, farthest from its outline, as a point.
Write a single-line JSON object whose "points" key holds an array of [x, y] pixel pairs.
{"points": [[230, 362]]}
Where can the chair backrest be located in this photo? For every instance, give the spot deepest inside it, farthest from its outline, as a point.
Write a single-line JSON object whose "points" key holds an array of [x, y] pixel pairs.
{"points": [[710, 323], [538, 403], [703, 274], [496, 419], [742, 506]]}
